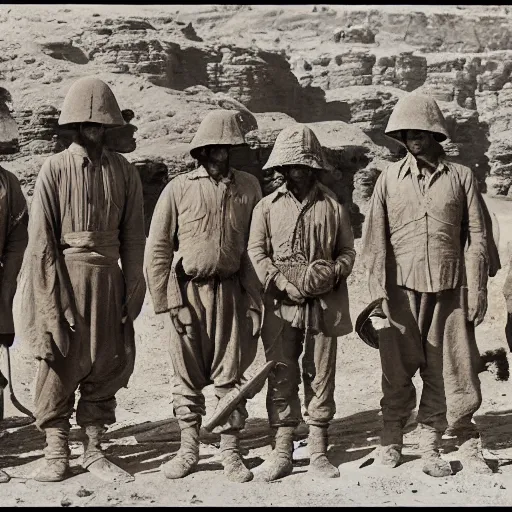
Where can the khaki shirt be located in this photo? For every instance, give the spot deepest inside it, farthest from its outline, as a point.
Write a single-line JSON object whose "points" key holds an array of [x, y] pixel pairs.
{"points": [[323, 231], [206, 224], [417, 239]]}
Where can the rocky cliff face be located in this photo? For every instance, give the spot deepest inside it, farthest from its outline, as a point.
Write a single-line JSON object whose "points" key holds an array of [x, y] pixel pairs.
{"points": [[339, 69]]}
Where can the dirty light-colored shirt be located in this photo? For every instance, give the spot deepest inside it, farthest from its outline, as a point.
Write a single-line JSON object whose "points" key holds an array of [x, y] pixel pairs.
{"points": [[90, 212], [324, 232], [206, 224], [416, 239]]}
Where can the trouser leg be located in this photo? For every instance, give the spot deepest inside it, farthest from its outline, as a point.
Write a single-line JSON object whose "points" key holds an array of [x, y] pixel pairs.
{"points": [[318, 372], [282, 344], [226, 366], [401, 355], [55, 388]]}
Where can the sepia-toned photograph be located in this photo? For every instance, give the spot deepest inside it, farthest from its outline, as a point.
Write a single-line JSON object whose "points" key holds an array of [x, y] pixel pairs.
{"points": [[255, 255]]}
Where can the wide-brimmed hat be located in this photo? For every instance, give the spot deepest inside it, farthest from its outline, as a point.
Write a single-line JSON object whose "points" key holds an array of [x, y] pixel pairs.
{"points": [[90, 100], [417, 112], [364, 327], [296, 145], [219, 128]]}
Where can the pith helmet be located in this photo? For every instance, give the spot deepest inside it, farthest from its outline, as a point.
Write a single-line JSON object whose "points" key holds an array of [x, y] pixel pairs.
{"points": [[364, 327], [219, 127], [417, 112], [89, 100], [296, 145]]}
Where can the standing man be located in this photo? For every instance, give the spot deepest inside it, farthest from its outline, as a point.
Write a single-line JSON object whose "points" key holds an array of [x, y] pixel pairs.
{"points": [[302, 248], [198, 271], [74, 305], [424, 211], [13, 241]]}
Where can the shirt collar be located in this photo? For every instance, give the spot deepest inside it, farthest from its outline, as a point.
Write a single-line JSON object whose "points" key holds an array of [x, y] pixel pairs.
{"points": [[315, 192], [79, 150], [201, 172], [410, 165]]}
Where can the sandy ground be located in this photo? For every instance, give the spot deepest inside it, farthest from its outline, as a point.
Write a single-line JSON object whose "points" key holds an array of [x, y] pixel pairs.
{"points": [[146, 434]]}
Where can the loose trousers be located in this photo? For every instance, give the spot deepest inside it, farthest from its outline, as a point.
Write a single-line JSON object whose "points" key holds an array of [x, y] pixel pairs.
{"points": [[210, 351], [101, 354], [438, 340], [285, 344]]}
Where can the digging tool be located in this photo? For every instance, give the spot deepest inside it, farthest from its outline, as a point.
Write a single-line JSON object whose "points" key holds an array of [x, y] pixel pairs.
{"points": [[230, 402], [13, 398]]}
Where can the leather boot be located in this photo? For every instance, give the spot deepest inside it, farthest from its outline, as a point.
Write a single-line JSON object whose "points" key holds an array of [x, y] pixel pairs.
{"points": [[279, 464], [430, 440], [471, 457], [186, 459], [318, 462], [56, 456], [94, 459], [391, 441], [4, 477], [234, 467]]}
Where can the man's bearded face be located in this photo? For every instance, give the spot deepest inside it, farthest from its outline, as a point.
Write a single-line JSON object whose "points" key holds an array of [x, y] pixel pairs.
{"points": [[216, 160], [92, 133], [418, 142], [299, 175]]}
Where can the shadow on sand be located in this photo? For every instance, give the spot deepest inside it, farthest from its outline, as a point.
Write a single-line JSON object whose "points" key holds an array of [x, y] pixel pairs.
{"points": [[144, 447]]}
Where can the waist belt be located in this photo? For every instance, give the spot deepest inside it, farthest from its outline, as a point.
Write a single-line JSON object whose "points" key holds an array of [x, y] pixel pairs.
{"points": [[92, 246]]}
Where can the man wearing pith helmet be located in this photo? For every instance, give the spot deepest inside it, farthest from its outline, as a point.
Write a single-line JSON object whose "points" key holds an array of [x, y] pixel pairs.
{"points": [[302, 248], [425, 249], [74, 305], [199, 274]]}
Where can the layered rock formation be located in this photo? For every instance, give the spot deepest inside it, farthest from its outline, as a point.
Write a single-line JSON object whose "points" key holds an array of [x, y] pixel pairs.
{"points": [[328, 68]]}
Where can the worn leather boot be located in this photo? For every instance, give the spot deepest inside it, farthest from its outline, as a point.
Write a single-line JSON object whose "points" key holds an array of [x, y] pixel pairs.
{"points": [[391, 441], [318, 462], [56, 456], [430, 440], [4, 477], [186, 459], [234, 467], [471, 456], [94, 459], [279, 464]]}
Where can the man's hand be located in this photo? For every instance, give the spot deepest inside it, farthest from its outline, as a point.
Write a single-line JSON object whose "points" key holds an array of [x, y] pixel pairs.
{"points": [[341, 271], [294, 294], [256, 321], [70, 319], [181, 318], [477, 306], [382, 320]]}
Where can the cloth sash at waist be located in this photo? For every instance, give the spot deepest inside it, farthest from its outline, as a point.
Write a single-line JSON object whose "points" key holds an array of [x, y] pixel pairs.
{"points": [[96, 247]]}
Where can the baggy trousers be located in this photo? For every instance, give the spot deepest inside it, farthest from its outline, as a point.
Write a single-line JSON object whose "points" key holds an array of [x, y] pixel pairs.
{"points": [[285, 344], [210, 351], [438, 340], [101, 351]]}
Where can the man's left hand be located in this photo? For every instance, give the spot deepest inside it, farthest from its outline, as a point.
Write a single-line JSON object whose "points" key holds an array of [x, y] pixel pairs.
{"points": [[477, 306], [341, 271], [256, 321]]}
